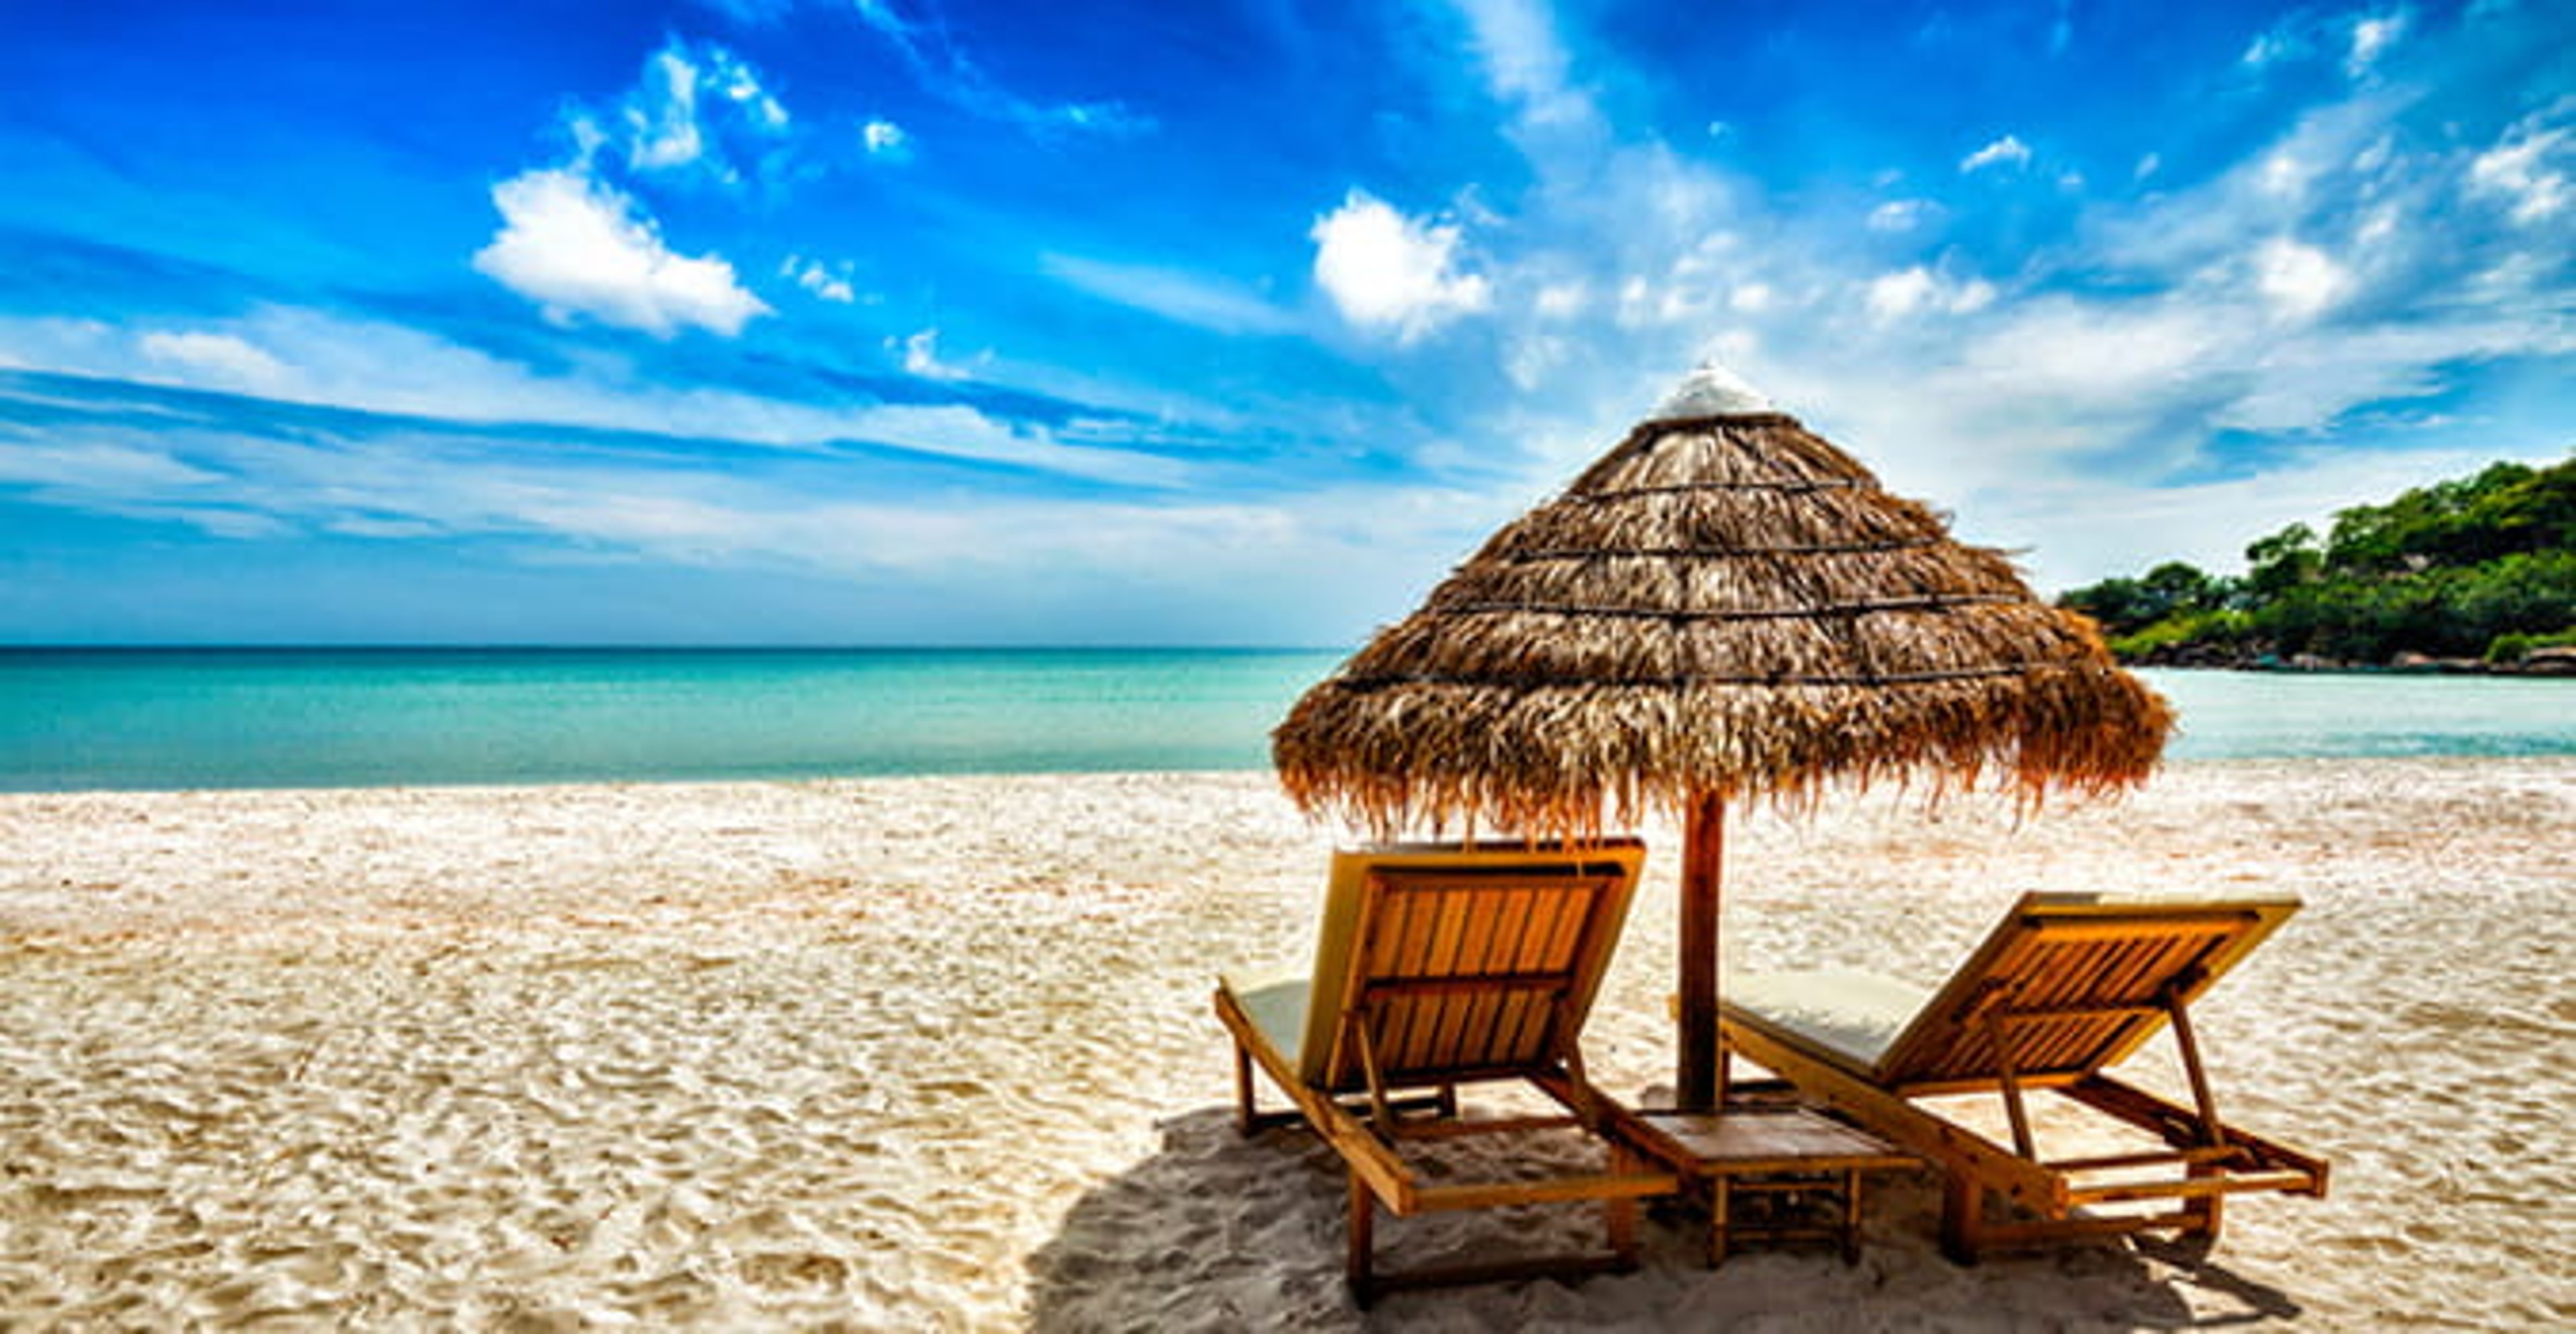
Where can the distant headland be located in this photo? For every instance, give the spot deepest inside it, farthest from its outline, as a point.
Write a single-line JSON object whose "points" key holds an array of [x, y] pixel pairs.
{"points": [[2472, 575]]}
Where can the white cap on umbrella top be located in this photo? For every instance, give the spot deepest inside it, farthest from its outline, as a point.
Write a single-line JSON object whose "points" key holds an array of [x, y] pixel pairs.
{"points": [[1710, 390]]}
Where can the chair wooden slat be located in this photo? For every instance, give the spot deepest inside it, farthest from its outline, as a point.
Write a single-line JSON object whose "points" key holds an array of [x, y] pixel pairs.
{"points": [[2064, 987], [1459, 966]]}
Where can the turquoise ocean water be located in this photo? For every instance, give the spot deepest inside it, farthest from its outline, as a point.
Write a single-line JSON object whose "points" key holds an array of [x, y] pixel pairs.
{"points": [[172, 718]]}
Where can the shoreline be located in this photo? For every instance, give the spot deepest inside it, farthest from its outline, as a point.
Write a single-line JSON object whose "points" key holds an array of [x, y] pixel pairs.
{"points": [[935, 1052], [2168, 765], [2552, 668]]}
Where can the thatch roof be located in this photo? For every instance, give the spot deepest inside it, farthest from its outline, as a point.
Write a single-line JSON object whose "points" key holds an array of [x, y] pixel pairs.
{"points": [[1725, 604]]}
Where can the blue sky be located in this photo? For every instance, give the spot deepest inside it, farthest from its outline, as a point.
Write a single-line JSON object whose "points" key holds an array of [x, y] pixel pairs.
{"points": [[924, 321]]}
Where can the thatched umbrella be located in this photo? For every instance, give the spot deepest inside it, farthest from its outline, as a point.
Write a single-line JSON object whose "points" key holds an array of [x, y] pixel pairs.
{"points": [[1724, 606]]}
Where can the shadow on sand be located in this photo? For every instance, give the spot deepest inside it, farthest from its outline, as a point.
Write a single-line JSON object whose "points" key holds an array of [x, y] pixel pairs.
{"points": [[1219, 1232]]}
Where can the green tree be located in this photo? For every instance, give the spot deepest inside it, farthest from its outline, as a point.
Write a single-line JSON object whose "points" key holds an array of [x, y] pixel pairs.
{"points": [[2283, 561], [2175, 587], [2478, 565]]}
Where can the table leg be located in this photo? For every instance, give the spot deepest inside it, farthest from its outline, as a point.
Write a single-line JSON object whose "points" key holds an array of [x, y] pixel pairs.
{"points": [[1851, 1217], [1717, 1214]]}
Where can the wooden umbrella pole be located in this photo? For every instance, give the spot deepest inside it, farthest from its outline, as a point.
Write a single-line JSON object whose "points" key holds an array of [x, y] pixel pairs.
{"points": [[1703, 857]]}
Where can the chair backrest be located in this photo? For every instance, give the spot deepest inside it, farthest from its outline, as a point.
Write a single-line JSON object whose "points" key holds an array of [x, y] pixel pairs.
{"points": [[1467, 962], [2083, 979]]}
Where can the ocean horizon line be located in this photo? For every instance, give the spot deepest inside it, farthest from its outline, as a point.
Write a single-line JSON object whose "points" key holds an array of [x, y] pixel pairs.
{"points": [[463, 646]]}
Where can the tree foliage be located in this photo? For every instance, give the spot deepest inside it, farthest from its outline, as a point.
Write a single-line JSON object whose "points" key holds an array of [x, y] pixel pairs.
{"points": [[2475, 566]]}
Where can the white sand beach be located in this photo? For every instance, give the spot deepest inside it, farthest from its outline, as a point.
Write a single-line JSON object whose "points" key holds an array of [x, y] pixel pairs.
{"points": [[937, 1054]]}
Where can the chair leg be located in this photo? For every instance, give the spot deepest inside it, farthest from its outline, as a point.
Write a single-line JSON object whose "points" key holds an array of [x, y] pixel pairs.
{"points": [[1246, 1118], [1363, 1225], [2207, 1211], [1619, 1214], [1962, 1203]]}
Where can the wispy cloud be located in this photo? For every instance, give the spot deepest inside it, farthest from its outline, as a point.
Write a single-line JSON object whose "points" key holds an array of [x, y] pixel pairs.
{"points": [[1524, 59], [2529, 167], [1246, 569], [698, 111], [2008, 151], [2359, 37], [752, 12], [1174, 294], [222, 359], [1902, 215], [2372, 36], [946, 71], [317, 359]]}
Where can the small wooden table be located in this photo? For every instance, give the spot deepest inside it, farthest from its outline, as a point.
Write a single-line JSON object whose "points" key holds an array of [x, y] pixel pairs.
{"points": [[1776, 1154]]}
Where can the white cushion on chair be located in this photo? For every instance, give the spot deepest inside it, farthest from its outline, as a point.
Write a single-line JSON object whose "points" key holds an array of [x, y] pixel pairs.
{"points": [[1275, 1002], [1844, 1013]]}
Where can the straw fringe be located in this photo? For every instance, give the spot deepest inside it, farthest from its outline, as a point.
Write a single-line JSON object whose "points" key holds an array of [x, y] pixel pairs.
{"points": [[1727, 606]]}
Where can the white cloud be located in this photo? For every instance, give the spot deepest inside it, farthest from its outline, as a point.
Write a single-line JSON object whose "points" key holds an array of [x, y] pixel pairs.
{"points": [[2285, 173], [662, 116], [2006, 151], [687, 101], [1904, 292], [2361, 38], [1562, 301], [828, 282], [2371, 38], [577, 247], [1384, 270], [1524, 59], [2376, 227], [1973, 295], [223, 359], [2298, 280], [734, 79], [2128, 352], [2527, 166], [921, 357], [1901, 293], [884, 138], [1902, 215], [1174, 294]]}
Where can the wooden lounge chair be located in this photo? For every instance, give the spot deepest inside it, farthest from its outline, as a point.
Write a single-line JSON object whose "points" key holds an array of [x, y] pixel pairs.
{"points": [[2065, 986], [1439, 967]]}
